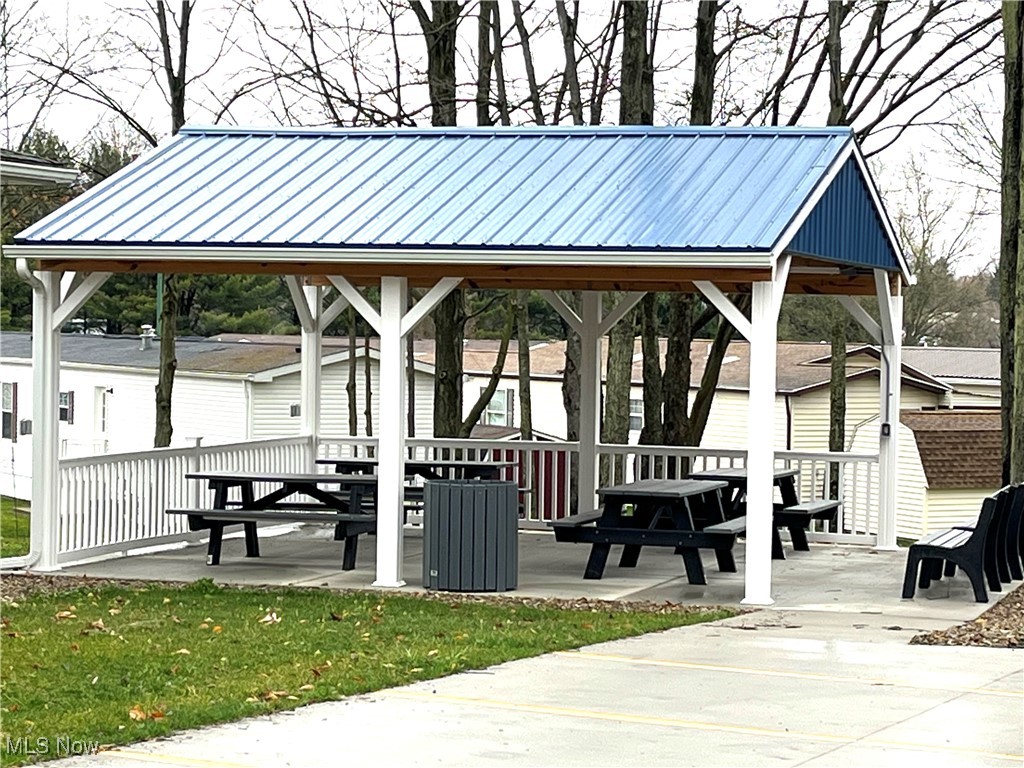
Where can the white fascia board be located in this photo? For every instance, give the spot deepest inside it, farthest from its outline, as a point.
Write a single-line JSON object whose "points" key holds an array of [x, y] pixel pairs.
{"points": [[458, 259], [130, 369], [30, 174]]}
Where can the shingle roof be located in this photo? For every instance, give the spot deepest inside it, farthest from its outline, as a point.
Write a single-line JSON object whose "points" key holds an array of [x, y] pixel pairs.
{"points": [[730, 190], [194, 355], [797, 370], [958, 448], [954, 362]]}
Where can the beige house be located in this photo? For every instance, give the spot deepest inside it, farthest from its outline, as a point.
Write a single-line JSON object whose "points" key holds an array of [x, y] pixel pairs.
{"points": [[949, 460]]}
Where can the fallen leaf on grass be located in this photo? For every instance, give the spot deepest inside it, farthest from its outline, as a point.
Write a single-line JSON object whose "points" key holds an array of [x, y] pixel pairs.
{"points": [[98, 624], [157, 714], [218, 629], [183, 652], [270, 618], [137, 713], [64, 615], [113, 611], [306, 687], [337, 616]]}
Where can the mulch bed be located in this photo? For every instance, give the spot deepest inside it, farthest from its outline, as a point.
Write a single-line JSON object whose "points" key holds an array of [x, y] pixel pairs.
{"points": [[18, 586], [1001, 626]]}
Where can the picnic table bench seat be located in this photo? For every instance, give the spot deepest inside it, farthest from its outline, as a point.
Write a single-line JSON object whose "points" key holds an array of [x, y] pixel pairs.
{"points": [[797, 519], [583, 528], [347, 526]]}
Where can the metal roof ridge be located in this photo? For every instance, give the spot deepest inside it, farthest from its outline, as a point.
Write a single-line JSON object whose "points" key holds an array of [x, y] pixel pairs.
{"points": [[499, 130]]}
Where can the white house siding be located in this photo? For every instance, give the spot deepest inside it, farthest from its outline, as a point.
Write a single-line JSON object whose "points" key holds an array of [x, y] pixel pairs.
{"points": [[975, 395], [811, 411], [950, 506], [727, 422], [911, 484], [272, 401], [213, 408]]}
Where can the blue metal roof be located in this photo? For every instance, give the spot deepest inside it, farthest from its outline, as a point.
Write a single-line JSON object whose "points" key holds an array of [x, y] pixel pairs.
{"points": [[608, 188]]}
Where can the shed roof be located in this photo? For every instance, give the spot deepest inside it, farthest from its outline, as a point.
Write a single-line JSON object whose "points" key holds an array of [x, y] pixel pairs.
{"points": [[663, 196], [958, 448]]}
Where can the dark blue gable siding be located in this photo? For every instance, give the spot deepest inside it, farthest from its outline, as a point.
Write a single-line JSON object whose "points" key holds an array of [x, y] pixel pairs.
{"points": [[845, 226]]}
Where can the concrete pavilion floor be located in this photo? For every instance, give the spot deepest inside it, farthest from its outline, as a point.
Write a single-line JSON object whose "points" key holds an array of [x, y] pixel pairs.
{"points": [[851, 580]]}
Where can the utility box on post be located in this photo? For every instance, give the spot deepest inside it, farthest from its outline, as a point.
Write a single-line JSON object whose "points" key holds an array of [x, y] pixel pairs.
{"points": [[470, 535]]}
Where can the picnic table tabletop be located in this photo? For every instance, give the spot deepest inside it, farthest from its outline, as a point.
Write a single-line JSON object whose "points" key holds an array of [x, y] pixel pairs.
{"points": [[318, 478], [739, 474], [665, 488]]}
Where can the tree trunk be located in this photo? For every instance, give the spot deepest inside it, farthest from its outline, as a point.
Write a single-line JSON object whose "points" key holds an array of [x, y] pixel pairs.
{"points": [[350, 386], [485, 61], [837, 400], [176, 80], [678, 367], [368, 385], [168, 364], [571, 374], [523, 352], [618, 381], [449, 325], [1011, 258]]}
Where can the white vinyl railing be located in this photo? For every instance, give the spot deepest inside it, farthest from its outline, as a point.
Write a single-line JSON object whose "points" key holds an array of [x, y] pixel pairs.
{"points": [[115, 503]]}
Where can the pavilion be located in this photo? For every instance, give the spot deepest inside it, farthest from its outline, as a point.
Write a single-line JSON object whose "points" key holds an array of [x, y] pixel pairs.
{"points": [[714, 210]]}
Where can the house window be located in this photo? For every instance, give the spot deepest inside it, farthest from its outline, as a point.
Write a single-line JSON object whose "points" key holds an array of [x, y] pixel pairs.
{"points": [[636, 415], [499, 410], [102, 409], [67, 407], [9, 403]]}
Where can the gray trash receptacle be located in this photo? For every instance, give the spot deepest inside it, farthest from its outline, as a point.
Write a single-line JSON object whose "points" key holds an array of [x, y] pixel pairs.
{"points": [[470, 535]]}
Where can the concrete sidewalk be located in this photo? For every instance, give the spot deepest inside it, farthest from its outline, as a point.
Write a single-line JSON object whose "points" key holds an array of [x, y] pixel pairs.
{"points": [[824, 678], [766, 688]]}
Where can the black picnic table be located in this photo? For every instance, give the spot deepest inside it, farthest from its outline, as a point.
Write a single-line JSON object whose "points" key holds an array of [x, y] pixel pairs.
{"points": [[337, 498], [684, 514]]}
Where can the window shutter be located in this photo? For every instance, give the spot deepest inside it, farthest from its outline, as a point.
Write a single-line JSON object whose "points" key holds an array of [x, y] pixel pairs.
{"points": [[71, 407], [14, 412], [510, 418]]}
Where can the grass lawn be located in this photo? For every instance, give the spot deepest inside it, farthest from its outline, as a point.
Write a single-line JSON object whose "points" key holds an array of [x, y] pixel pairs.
{"points": [[14, 528], [115, 664]]}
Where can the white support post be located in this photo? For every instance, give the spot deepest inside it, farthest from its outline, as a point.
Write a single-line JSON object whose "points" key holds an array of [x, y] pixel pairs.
{"points": [[45, 525], [311, 366], [590, 398], [394, 293], [760, 444], [890, 369]]}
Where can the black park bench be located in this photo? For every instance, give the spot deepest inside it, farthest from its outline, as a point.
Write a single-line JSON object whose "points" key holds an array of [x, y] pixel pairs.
{"points": [[973, 551]]}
